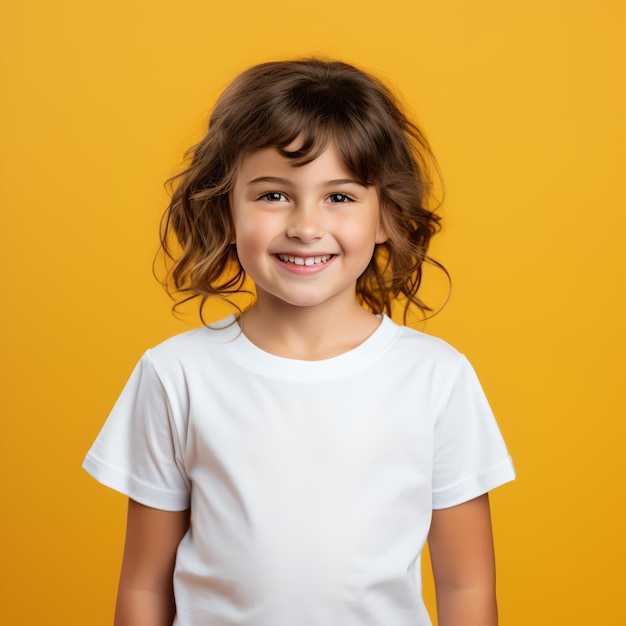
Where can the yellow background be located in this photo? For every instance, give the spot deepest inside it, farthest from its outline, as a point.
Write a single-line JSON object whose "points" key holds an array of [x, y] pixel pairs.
{"points": [[524, 104]]}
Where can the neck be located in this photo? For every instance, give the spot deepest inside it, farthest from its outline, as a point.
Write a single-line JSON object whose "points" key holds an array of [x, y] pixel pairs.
{"points": [[307, 333]]}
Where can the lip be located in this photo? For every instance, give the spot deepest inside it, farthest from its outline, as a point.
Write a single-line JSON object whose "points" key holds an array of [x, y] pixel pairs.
{"points": [[305, 269]]}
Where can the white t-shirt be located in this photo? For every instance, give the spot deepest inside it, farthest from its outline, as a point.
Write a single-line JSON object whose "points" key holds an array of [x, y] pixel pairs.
{"points": [[311, 483]]}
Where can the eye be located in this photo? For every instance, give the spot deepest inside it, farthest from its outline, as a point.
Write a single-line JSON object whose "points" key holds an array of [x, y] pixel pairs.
{"points": [[339, 197], [273, 196]]}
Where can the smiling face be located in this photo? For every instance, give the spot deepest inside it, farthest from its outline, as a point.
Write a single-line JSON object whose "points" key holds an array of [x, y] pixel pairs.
{"points": [[304, 234]]}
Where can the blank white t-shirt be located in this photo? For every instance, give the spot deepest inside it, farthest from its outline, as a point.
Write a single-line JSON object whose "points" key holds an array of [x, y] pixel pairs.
{"points": [[311, 483]]}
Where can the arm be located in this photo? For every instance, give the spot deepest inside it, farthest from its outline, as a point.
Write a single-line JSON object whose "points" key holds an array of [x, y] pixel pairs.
{"points": [[461, 551], [145, 595]]}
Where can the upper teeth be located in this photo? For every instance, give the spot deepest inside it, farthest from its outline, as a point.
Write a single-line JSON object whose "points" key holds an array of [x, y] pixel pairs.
{"points": [[304, 260]]}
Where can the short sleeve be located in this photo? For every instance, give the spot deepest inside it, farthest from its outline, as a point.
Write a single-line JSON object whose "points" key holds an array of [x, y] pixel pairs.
{"points": [[470, 456], [138, 451]]}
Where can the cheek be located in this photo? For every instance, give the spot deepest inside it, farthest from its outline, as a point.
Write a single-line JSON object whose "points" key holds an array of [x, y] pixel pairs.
{"points": [[244, 223], [252, 233], [247, 243], [253, 238], [363, 234]]}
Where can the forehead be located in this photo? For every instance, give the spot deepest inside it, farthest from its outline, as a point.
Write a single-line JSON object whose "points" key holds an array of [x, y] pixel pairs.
{"points": [[272, 162]]}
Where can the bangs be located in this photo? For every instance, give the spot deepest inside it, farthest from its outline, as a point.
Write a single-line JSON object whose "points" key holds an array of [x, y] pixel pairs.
{"points": [[315, 139]]}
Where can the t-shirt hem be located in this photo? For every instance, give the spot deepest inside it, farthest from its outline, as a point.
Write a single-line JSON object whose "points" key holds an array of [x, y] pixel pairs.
{"points": [[133, 488], [475, 485]]}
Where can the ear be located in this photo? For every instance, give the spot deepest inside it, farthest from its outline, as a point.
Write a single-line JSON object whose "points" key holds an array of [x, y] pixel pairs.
{"points": [[381, 233]]}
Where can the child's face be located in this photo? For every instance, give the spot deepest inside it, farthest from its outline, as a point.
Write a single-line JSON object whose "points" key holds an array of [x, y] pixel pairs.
{"points": [[304, 234]]}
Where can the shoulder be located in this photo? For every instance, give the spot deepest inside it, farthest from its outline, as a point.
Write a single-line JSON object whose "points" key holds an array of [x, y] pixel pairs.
{"points": [[428, 365], [414, 344], [195, 346]]}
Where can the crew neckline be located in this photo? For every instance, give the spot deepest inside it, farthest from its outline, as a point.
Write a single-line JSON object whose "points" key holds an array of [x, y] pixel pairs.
{"points": [[344, 364]]}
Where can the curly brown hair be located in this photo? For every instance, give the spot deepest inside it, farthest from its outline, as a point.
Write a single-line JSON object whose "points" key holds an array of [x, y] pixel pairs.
{"points": [[315, 101]]}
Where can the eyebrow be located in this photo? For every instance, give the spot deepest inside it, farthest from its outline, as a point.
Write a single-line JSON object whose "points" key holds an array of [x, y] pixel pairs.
{"points": [[284, 181]]}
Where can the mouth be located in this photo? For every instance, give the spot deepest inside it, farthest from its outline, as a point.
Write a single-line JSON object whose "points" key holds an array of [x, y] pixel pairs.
{"points": [[305, 260]]}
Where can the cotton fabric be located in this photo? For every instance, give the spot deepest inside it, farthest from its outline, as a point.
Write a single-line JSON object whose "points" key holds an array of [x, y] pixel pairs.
{"points": [[311, 483]]}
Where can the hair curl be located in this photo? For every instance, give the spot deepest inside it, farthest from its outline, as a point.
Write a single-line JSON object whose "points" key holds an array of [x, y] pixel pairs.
{"points": [[316, 101]]}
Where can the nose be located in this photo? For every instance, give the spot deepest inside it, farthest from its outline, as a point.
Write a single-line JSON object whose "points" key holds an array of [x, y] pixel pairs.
{"points": [[305, 223]]}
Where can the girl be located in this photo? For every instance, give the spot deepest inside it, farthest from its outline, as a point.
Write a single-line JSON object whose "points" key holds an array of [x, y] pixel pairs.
{"points": [[315, 444]]}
